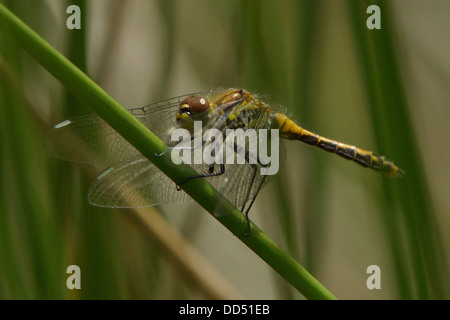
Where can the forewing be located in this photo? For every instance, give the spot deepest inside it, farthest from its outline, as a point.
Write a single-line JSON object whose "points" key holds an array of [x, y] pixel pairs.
{"points": [[89, 139]]}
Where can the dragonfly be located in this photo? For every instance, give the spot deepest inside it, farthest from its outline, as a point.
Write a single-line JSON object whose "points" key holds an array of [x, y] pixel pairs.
{"points": [[131, 180]]}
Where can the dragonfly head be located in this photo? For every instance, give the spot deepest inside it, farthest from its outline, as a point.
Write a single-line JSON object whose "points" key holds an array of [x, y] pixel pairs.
{"points": [[191, 106]]}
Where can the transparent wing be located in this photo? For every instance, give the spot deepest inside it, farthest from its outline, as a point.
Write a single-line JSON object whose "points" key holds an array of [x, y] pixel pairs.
{"points": [[138, 183], [245, 182], [88, 138], [134, 183], [241, 183]]}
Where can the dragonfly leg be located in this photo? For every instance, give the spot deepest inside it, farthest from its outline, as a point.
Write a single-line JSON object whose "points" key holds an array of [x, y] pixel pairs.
{"points": [[246, 214], [211, 174], [251, 202], [248, 233]]}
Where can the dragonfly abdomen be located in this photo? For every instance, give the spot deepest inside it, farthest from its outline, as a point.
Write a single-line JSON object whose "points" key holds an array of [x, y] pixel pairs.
{"points": [[290, 130]]}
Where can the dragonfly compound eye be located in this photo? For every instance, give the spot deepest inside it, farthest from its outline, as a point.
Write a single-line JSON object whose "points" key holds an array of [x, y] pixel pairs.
{"points": [[199, 104], [187, 101]]}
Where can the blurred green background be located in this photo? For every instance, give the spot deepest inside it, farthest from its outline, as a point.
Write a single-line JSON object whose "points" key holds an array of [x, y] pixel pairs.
{"points": [[383, 90]]}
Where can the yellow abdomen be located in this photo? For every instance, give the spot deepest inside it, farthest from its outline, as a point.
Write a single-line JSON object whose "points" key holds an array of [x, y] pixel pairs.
{"points": [[290, 130]]}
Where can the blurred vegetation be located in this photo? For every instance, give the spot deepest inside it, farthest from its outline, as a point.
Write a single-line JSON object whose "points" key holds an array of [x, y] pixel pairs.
{"points": [[315, 58]]}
